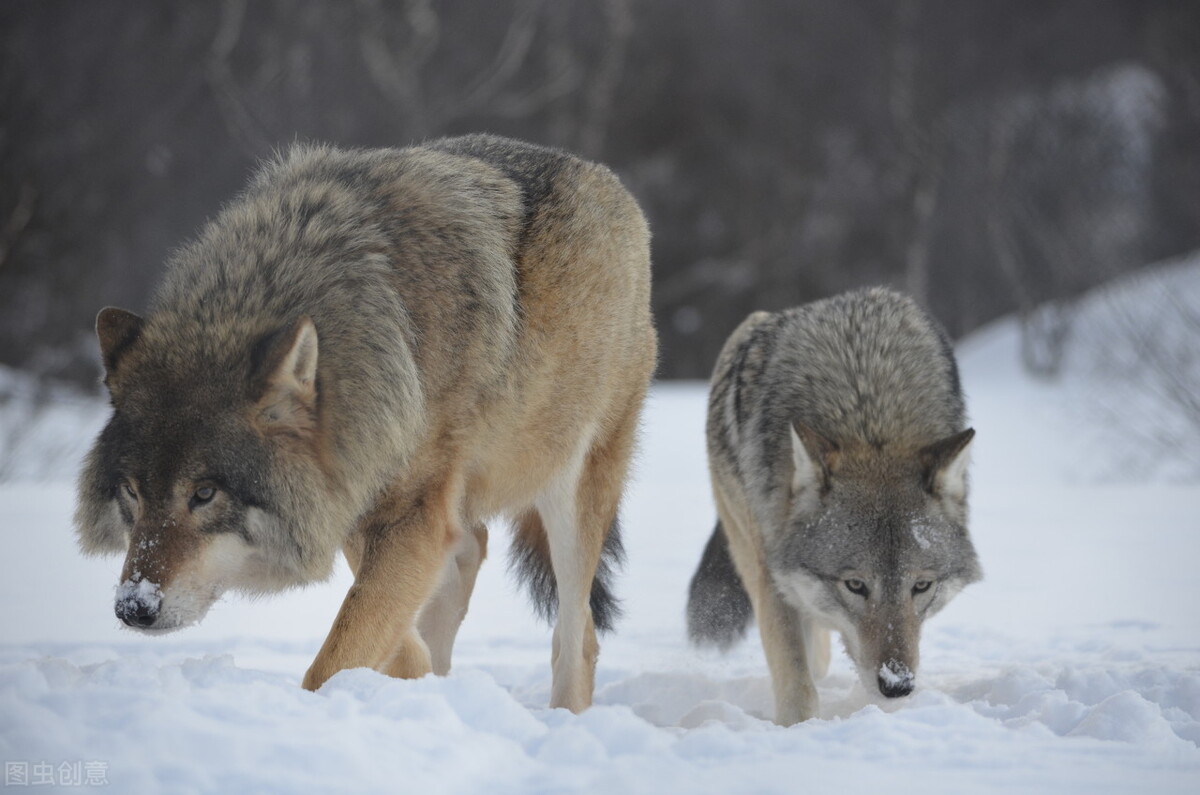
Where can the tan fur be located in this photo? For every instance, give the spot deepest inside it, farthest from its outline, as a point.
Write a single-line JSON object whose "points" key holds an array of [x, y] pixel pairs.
{"points": [[785, 644], [491, 359], [445, 610], [160, 556], [570, 373]]}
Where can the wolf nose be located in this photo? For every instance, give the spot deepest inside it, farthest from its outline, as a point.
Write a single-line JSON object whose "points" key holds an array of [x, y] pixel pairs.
{"points": [[895, 679], [135, 613]]}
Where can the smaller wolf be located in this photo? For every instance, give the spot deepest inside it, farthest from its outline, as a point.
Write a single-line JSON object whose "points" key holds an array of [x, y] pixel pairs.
{"points": [[838, 457]]}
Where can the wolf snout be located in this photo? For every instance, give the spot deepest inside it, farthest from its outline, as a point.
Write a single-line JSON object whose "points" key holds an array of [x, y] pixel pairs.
{"points": [[136, 614], [137, 603], [895, 679]]}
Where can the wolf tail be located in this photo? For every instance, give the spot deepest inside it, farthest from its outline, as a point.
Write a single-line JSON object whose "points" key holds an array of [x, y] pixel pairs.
{"points": [[718, 609], [529, 557]]}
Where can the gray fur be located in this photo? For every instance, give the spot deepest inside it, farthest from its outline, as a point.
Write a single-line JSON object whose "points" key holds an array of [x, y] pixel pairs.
{"points": [[308, 238], [836, 434], [430, 275], [718, 609]]}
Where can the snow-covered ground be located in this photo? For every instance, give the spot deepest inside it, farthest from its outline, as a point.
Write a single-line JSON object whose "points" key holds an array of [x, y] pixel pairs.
{"points": [[1073, 667]]}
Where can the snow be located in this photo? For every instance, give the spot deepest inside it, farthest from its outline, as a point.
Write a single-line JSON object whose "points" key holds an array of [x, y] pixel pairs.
{"points": [[142, 592], [1074, 666], [920, 533]]}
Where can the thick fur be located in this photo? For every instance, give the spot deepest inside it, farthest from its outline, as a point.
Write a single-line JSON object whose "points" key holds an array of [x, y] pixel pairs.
{"points": [[718, 609], [838, 457], [529, 557], [375, 351]]}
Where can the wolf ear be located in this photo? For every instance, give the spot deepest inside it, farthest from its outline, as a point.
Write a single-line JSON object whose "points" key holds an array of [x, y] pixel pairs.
{"points": [[284, 381], [117, 329], [944, 465], [815, 458]]}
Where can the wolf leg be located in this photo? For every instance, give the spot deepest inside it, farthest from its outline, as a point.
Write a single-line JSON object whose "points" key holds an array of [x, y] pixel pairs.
{"points": [[443, 614], [783, 644], [404, 546], [578, 522], [573, 558], [782, 629]]}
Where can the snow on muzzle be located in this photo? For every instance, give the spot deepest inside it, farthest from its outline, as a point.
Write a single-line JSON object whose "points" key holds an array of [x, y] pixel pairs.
{"points": [[137, 603], [895, 679]]}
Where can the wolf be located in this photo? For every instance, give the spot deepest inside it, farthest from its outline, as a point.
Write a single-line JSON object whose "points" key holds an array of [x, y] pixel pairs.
{"points": [[374, 351], [838, 455]]}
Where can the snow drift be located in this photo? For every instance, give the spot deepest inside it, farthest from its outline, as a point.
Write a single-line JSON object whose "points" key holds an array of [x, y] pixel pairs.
{"points": [[1073, 667]]}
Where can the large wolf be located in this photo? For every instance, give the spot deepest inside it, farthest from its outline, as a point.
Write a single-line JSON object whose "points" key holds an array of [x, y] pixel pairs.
{"points": [[838, 456], [375, 351]]}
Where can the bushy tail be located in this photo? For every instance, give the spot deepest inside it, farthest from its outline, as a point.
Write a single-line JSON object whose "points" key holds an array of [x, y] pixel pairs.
{"points": [[529, 557], [719, 609]]}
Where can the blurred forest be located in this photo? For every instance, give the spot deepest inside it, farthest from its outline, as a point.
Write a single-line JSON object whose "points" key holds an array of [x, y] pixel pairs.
{"points": [[987, 156]]}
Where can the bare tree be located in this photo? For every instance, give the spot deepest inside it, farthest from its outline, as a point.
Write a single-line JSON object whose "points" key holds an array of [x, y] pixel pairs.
{"points": [[1065, 183], [399, 64], [243, 127], [918, 163], [783, 150], [601, 89], [1138, 338]]}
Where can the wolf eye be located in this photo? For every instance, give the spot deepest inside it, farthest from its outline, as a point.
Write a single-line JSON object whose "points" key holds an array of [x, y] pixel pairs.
{"points": [[855, 586], [203, 494], [128, 489], [921, 586]]}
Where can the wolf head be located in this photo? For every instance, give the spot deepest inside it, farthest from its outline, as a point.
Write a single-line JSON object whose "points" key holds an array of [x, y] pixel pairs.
{"points": [[208, 470], [875, 543]]}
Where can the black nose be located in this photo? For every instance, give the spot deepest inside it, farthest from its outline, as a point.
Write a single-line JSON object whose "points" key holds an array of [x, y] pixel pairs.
{"points": [[136, 613], [895, 679], [895, 689]]}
